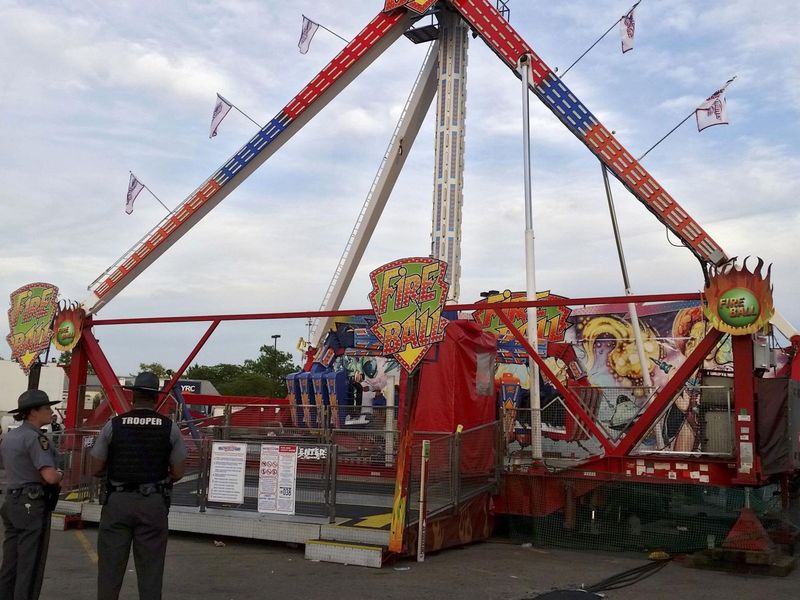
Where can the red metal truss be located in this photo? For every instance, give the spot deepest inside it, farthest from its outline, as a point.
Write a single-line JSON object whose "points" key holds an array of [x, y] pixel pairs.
{"points": [[501, 37], [356, 56], [617, 457]]}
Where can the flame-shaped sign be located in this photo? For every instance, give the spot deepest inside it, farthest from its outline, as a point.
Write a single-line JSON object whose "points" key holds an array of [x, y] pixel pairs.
{"points": [[29, 319], [408, 296], [68, 326], [739, 302]]}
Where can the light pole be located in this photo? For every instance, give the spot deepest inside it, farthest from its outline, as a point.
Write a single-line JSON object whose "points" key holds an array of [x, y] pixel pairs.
{"points": [[275, 337]]}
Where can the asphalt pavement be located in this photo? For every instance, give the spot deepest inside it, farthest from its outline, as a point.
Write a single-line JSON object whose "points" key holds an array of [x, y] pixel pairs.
{"points": [[239, 570]]}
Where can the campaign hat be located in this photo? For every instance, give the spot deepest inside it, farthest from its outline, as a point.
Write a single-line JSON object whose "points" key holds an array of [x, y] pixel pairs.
{"points": [[32, 399], [146, 382]]}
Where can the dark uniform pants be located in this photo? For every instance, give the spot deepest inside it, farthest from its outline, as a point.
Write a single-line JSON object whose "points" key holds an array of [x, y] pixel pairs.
{"points": [[27, 536], [131, 517]]}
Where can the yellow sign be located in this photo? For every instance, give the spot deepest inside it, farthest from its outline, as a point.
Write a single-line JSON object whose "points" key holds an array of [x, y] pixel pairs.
{"points": [[30, 318], [408, 297]]}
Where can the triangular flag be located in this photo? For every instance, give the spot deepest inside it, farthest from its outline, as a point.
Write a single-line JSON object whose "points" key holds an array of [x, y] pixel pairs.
{"points": [[221, 109], [627, 27], [134, 187], [714, 111], [307, 34]]}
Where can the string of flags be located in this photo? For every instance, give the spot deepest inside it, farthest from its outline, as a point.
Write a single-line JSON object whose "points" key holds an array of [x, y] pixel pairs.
{"points": [[713, 111], [222, 107]]}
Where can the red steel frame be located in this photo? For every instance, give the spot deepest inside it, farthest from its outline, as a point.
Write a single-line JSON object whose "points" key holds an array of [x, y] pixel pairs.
{"points": [[617, 454]]}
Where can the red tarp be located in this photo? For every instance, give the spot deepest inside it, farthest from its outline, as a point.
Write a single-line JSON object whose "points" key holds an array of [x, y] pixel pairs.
{"points": [[456, 387]]}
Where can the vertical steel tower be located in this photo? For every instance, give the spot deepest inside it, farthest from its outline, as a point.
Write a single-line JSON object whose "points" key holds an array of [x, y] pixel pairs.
{"points": [[448, 171]]}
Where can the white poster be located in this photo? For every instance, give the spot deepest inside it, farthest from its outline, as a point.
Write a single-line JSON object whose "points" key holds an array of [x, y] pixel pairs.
{"points": [[277, 478], [226, 483]]}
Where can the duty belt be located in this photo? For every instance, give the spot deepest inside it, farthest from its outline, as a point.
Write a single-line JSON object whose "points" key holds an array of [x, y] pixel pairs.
{"points": [[145, 489], [33, 491]]}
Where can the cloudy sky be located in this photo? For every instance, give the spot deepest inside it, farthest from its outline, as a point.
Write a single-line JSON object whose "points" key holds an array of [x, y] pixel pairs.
{"points": [[91, 89]]}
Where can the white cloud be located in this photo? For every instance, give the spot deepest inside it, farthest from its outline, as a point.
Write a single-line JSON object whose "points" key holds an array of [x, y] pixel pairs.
{"points": [[93, 91]]}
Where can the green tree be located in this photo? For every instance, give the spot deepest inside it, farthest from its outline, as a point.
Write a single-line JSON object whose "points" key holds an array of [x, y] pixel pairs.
{"points": [[263, 376], [65, 360], [247, 384], [160, 370], [273, 365], [218, 374]]}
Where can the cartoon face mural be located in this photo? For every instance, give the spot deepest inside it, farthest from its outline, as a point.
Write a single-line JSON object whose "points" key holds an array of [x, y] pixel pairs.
{"points": [[596, 356], [369, 378], [610, 347]]}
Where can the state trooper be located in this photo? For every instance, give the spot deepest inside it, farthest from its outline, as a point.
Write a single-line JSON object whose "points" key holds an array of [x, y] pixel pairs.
{"points": [[32, 489], [140, 453]]}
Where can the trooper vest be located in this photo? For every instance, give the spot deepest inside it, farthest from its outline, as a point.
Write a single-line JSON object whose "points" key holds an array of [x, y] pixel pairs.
{"points": [[140, 447]]}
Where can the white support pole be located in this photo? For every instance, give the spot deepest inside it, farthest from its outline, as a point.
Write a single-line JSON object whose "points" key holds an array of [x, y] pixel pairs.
{"points": [[637, 332], [530, 263], [423, 500]]}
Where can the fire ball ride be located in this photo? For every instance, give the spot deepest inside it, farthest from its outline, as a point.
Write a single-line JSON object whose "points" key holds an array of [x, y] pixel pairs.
{"points": [[665, 390]]}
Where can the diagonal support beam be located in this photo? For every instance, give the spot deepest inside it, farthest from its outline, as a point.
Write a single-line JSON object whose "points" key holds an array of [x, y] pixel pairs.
{"points": [[179, 373], [509, 46], [569, 396], [662, 399], [115, 399]]}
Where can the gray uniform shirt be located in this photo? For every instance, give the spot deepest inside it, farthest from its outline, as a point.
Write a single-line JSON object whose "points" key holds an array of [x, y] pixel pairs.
{"points": [[103, 441], [25, 450]]}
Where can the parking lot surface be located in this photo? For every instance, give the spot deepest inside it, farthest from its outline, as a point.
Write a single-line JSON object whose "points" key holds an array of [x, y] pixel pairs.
{"points": [[239, 570]]}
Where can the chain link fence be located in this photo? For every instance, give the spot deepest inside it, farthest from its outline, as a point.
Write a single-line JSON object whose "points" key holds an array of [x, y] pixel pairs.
{"points": [[346, 459]]}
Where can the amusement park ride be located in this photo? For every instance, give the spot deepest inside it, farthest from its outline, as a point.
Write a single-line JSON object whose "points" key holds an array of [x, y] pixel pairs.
{"points": [[443, 77]]}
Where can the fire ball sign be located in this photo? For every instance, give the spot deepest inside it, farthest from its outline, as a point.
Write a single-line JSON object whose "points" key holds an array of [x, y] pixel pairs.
{"points": [[739, 302], [30, 318], [68, 326], [408, 296]]}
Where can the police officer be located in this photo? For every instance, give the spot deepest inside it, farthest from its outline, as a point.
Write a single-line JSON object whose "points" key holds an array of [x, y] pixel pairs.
{"points": [[140, 453], [31, 495]]}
